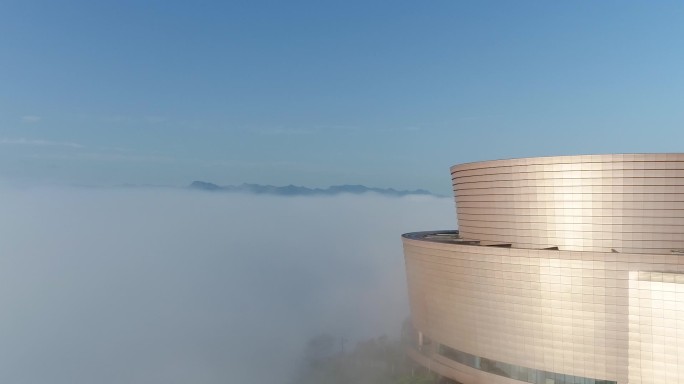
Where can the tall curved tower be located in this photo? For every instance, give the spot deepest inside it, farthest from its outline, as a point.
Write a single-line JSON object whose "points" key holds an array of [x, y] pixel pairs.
{"points": [[564, 270]]}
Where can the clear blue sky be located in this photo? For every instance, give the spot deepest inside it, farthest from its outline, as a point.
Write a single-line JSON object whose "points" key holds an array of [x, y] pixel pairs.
{"points": [[386, 94]]}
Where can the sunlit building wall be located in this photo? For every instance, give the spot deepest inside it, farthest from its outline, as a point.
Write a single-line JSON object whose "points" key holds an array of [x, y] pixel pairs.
{"points": [[564, 270]]}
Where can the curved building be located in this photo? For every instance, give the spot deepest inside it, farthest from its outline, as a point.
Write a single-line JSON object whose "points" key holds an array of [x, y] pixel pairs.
{"points": [[564, 270]]}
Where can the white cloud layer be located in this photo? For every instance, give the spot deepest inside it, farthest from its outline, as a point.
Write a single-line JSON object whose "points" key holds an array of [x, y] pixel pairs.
{"points": [[164, 286]]}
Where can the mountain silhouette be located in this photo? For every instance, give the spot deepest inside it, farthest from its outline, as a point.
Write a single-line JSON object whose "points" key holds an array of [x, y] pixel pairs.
{"points": [[294, 190]]}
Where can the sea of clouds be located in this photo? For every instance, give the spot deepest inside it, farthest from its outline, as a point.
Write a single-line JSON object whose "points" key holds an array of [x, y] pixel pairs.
{"points": [[147, 286]]}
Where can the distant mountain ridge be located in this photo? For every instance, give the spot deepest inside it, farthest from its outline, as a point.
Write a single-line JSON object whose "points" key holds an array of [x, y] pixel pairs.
{"points": [[294, 190]]}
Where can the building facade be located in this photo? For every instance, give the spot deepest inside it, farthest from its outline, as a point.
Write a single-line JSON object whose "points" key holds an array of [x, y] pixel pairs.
{"points": [[563, 270]]}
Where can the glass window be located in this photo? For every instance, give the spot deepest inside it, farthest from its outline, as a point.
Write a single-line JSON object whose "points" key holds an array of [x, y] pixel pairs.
{"points": [[523, 374]]}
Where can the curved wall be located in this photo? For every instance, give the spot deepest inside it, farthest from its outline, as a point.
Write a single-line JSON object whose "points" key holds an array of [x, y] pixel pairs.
{"points": [[595, 317], [604, 304], [627, 203]]}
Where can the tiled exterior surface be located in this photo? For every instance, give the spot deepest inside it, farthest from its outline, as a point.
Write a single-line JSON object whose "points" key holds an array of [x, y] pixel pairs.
{"points": [[656, 327], [580, 311], [630, 203]]}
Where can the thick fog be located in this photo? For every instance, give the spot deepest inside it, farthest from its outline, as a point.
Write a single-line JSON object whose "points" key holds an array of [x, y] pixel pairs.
{"points": [[173, 286]]}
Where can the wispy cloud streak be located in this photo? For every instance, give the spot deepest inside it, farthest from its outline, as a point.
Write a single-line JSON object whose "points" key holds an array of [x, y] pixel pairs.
{"points": [[39, 143], [30, 119]]}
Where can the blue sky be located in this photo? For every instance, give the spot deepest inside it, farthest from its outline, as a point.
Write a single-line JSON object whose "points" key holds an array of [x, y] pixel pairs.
{"points": [[387, 94]]}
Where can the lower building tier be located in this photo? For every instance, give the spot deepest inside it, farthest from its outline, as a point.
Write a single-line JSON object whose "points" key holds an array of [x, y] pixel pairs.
{"points": [[495, 314]]}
